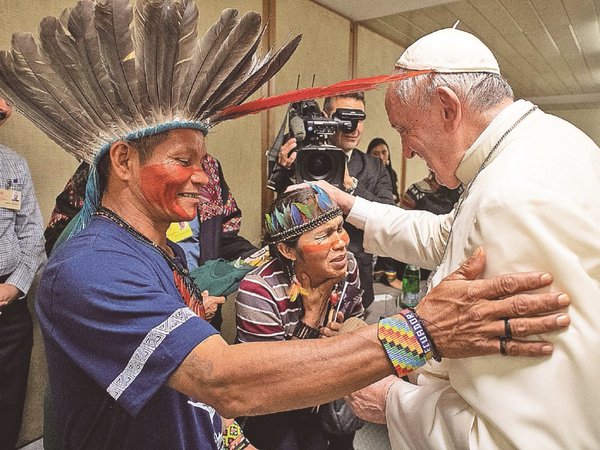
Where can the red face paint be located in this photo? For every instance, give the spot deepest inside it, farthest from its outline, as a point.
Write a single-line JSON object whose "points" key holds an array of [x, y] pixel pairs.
{"points": [[171, 179], [161, 184]]}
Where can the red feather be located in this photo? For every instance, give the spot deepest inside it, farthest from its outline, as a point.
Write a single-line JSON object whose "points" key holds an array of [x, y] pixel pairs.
{"points": [[341, 87]]}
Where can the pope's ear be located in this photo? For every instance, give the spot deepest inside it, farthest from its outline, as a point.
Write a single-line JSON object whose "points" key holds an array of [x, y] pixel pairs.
{"points": [[451, 110], [121, 155], [287, 251]]}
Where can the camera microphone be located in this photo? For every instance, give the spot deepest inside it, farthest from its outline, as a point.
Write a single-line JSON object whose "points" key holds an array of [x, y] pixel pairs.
{"points": [[297, 128]]}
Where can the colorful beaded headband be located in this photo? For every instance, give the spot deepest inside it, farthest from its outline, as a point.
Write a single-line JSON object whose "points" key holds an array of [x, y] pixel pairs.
{"points": [[294, 219]]}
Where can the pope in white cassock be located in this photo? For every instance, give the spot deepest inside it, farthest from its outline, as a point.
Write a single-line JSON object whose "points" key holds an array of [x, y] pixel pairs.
{"points": [[531, 202]]}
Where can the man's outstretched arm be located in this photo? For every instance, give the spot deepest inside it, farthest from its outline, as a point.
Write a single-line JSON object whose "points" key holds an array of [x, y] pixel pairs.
{"points": [[260, 378]]}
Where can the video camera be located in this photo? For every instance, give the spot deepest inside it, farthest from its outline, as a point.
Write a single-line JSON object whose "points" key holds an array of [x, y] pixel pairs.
{"points": [[316, 159]]}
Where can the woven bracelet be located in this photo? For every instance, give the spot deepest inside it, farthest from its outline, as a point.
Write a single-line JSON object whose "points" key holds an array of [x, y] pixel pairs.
{"points": [[242, 444], [405, 342], [231, 433]]}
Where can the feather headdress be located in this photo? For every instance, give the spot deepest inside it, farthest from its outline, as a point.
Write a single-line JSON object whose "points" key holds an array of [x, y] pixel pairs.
{"points": [[107, 70]]}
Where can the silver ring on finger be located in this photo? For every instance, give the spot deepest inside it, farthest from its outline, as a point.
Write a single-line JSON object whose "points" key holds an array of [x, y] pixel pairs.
{"points": [[507, 330], [502, 340]]}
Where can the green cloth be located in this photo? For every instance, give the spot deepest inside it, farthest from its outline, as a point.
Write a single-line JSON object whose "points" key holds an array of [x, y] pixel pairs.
{"points": [[219, 277]]}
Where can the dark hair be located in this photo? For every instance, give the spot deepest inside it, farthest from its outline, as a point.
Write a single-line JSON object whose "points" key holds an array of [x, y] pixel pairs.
{"points": [[375, 142], [359, 95], [378, 141], [144, 146]]}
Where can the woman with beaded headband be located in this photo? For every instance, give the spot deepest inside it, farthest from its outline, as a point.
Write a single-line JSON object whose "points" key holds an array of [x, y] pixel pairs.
{"points": [[309, 287]]}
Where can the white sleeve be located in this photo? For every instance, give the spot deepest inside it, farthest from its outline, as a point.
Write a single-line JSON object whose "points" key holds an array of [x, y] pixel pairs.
{"points": [[415, 237], [431, 415]]}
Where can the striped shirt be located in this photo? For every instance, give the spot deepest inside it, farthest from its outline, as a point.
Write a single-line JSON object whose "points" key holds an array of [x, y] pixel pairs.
{"points": [[21, 241], [264, 311]]}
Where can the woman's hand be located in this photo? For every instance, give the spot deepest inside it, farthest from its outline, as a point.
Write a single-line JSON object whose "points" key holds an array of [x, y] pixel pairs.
{"points": [[211, 304], [333, 327]]}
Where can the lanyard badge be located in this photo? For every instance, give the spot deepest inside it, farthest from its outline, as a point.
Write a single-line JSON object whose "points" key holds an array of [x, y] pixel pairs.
{"points": [[10, 195]]}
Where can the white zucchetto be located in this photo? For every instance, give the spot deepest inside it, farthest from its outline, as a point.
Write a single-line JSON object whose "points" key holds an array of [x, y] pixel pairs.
{"points": [[449, 51]]}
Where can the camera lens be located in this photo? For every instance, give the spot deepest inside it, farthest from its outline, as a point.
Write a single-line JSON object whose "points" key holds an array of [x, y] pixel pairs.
{"points": [[319, 165]]}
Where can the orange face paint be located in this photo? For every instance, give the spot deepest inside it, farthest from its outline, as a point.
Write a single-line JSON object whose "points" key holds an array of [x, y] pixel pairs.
{"points": [[322, 252], [345, 237], [328, 243], [317, 248]]}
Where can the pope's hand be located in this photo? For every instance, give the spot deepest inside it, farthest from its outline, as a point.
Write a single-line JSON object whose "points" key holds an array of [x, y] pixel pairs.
{"points": [[369, 403]]}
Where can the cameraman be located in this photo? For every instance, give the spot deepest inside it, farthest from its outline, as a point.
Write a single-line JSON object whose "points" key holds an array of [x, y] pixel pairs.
{"points": [[365, 177]]}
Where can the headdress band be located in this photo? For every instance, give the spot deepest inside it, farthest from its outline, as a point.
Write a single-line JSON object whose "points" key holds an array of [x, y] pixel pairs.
{"points": [[298, 230]]}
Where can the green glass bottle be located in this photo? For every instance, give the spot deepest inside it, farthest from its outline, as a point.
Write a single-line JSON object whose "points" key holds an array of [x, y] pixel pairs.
{"points": [[411, 285]]}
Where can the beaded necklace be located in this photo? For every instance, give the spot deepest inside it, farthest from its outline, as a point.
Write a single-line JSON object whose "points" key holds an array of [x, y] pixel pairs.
{"points": [[465, 194], [183, 282]]}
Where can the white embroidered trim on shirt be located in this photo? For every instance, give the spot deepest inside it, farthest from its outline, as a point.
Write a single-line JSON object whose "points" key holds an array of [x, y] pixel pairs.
{"points": [[141, 354]]}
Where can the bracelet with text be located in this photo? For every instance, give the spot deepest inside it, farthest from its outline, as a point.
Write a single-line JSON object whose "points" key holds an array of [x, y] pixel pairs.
{"points": [[405, 342]]}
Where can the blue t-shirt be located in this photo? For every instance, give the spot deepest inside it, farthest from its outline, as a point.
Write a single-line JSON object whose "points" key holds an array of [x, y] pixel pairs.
{"points": [[115, 328]]}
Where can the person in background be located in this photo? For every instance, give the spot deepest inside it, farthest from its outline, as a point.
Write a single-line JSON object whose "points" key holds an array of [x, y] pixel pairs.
{"points": [[68, 204], [386, 270], [305, 292], [531, 182], [21, 254], [429, 195], [380, 149]]}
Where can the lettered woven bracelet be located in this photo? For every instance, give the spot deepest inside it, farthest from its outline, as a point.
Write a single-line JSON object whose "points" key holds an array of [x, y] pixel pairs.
{"points": [[405, 342]]}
